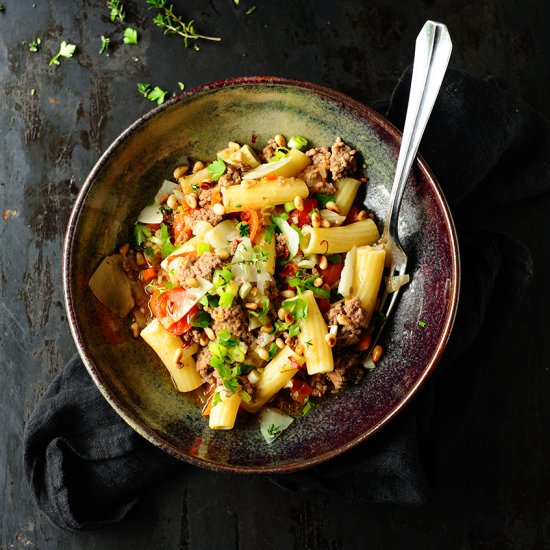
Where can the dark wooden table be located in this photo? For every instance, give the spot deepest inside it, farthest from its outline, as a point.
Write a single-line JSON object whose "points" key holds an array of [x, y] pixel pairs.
{"points": [[54, 123]]}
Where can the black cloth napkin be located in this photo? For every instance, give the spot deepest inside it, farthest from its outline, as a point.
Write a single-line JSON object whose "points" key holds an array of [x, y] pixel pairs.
{"points": [[86, 467]]}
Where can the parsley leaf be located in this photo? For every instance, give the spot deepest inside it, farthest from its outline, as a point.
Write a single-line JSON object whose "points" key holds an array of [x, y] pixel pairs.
{"points": [[302, 285], [244, 229], [167, 247], [117, 10], [216, 399], [141, 234], [216, 169], [35, 45], [323, 198], [269, 231], [130, 36], [104, 44], [274, 431], [201, 319], [153, 94], [65, 50]]}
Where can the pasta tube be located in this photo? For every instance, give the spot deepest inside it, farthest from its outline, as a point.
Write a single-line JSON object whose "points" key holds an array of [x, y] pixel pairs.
{"points": [[269, 249], [223, 414], [369, 268], [332, 240], [166, 344], [274, 376], [345, 195], [298, 161], [187, 182], [264, 193], [312, 336]]}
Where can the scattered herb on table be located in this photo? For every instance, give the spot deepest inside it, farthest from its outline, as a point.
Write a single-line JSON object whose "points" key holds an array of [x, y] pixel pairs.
{"points": [[105, 42], [152, 94], [181, 85], [35, 45], [33, 91], [130, 36], [65, 50], [2, 8], [421, 324], [117, 10], [251, 10], [173, 24]]}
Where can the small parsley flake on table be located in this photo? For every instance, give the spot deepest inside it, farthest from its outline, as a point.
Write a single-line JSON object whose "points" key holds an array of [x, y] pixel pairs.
{"points": [[130, 36], [152, 94], [105, 42], [65, 50]]}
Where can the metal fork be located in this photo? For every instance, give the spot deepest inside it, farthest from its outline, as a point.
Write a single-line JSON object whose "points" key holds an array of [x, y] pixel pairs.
{"points": [[431, 57]]}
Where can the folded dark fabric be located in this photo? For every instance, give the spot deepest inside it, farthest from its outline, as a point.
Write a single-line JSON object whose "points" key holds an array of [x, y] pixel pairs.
{"points": [[86, 467]]}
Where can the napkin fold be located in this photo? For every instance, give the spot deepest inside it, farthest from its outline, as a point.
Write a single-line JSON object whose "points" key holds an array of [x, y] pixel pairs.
{"points": [[86, 468]]}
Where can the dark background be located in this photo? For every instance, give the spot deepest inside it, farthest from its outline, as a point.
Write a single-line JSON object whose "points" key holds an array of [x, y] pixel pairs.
{"points": [[493, 494]]}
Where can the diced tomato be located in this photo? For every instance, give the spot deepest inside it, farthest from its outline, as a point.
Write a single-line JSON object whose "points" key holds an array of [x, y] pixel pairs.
{"points": [[332, 273], [179, 226], [271, 177], [302, 217], [165, 305], [300, 390], [324, 305], [251, 217]]}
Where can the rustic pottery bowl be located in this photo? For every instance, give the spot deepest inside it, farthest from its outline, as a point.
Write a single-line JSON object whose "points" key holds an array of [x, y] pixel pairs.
{"points": [[196, 124]]}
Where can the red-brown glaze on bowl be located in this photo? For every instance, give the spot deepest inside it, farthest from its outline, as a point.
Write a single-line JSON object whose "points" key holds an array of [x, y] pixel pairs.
{"points": [[198, 123]]}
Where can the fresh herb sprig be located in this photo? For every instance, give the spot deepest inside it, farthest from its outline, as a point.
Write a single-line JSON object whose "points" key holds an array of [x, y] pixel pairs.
{"points": [[130, 36], [173, 24], [152, 94], [105, 42], [34, 46]]}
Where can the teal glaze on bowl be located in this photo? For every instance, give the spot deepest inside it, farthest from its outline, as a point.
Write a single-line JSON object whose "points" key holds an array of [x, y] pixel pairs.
{"points": [[196, 124]]}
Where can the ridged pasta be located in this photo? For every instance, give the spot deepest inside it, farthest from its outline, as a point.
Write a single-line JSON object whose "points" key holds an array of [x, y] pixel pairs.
{"points": [[345, 195], [317, 352], [369, 268], [224, 413], [166, 344], [333, 240]]}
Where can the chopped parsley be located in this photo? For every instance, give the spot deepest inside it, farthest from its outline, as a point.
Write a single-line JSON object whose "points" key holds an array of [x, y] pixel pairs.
{"points": [[167, 247], [181, 86], [130, 36], [251, 10], [141, 234], [117, 10], [216, 169], [201, 319], [335, 259], [65, 50], [308, 405], [269, 231], [273, 349], [244, 229], [152, 94], [216, 399], [227, 356], [105, 42], [35, 45], [301, 285], [274, 431], [323, 198], [421, 324]]}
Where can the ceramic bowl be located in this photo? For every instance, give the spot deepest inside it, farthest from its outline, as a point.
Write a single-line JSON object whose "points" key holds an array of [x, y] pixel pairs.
{"points": [[195, 124]]}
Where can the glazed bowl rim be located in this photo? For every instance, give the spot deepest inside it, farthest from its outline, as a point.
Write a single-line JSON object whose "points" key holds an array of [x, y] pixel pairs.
{"points": [[363, 112]]}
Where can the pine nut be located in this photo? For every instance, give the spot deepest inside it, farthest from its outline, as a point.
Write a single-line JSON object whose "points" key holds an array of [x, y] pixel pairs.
{"points": [[172, 202], [267, 328], [280, 343], [298, 203], [191, 200], [325, 223], [254, 291], [377, 353], [331, 339], [332, 206], [210, 333], [288, 293], [222, 253], [299, 349], [342, 319], [253, 306], [203, 339], [281, 313], [140, 260], [362, 215], [177, 355], [289, 318], [280, 140], [219, 209], [192, 282], [134, 328], [316, 219], [318, 282], [124, 249], [180, 171], [198, 166], [262, 353], [323, 262]]}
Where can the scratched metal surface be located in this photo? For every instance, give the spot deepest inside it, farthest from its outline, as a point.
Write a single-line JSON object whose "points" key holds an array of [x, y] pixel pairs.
{"points": [[494, 494]]}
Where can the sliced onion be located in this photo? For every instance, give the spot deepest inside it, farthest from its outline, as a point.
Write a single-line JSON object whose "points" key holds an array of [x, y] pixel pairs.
{"points": [[265, 170], [396, 282], [346, 277], [332, 217], [220, 236], [152, 213], [292, 236]]}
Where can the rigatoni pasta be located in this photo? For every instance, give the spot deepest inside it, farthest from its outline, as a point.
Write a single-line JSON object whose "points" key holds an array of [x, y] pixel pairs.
{"points": [[260, 281]]}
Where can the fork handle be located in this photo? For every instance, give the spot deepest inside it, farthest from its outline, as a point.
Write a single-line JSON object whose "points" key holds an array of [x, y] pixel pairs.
{"points": [[431, 57]]}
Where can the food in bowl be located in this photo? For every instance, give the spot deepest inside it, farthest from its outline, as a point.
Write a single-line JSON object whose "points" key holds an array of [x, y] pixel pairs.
{"points": [[252, 269]]}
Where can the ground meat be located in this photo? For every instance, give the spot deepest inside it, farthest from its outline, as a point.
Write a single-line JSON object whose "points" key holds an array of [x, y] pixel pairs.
{"points": [[318, 384], [347, 334], [205, 213], [281, 249], [232, 176], [202, 364], [269, 150], [205, 197], [233, 246], [205, 265], [342, 160], [233, 319], [191, 336], [320, 159], [316, 182], [346, 367]]}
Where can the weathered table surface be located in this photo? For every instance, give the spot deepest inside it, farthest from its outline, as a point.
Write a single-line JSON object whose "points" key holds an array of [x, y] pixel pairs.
{"points": [[54, 123]]}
